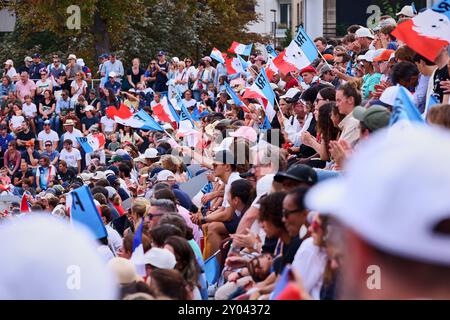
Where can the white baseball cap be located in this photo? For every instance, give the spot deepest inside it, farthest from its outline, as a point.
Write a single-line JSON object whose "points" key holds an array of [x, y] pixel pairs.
{"points": [[89, 108], [151, 153], [390, 94], [368, 56], [72, 56], [393, 194], [9, 62], [406, 11], [160, 258], [364, 33], [112, 74], [165, 175], [99, 175], [290, 93]]}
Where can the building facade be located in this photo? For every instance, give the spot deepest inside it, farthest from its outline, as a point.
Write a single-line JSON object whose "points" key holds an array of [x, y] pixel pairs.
{"points": [[323, 17]]}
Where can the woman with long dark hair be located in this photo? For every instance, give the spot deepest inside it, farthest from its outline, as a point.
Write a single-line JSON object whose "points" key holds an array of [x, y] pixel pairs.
{"points": [[186, 263]]}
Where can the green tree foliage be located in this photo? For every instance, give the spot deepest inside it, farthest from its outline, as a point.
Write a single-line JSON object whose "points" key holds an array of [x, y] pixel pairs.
{"points": [[133, 28]]}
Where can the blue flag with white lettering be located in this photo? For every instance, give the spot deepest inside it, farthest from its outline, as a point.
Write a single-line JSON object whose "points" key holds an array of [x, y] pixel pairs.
{"points": [[84, 212], [404, 108], [442, 7], [234, 96]]}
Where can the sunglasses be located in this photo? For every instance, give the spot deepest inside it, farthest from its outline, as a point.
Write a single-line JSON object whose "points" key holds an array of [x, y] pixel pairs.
{"points": [[48, 145], [286, 213], [46, 124], [150, 216]]}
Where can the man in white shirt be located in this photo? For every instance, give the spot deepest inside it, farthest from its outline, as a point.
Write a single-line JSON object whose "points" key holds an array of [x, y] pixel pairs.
{"points": [[71, 155], [71, 133], [113, 65], [48, 135], [225, 167]]}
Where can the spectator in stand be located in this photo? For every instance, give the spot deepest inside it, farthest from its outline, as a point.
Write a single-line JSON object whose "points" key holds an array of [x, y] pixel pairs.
{"points": [[113, 65], [35, 67], [347, 98], [28, 61], [112, 84], [160, 73], [12, 157], [50, 152], [71, 133], [78, 86], [9, 70], [72, 68], [47, 134], [25, 86], [71, 156], [47, 109], [5, 87], [135, 73]]}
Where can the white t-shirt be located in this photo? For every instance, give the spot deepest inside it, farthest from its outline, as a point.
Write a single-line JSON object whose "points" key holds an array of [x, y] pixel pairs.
{"points": [[29, 109], [78, 89], [73, 136], [17, 121], [189, 103], [310, 261], [233, 177], [51, 136], [11, 72], [43, 85], [70, 157], [114, 238], [108, 124]]}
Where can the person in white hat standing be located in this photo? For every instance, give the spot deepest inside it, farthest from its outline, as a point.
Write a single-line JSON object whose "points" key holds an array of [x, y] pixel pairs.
{"points": [[365, 38], [9, 71], [72, 68]]}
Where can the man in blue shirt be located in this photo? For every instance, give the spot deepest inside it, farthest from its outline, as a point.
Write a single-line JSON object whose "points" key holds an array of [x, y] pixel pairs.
{"points": [[35, 67], [113, 84], [5, 138], [161, 71]]}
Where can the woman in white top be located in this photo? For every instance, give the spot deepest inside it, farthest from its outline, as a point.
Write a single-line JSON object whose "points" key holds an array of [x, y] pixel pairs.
{"points": [[44, 83], [78, 86], [311, 258], [181, 78], [201, 80]]}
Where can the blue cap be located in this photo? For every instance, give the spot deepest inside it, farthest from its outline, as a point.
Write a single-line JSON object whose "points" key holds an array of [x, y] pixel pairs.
{"points": [[104, 55], [36, 55], [162, 53]]}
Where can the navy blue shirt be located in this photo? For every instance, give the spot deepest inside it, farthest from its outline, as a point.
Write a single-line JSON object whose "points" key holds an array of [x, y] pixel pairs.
{"points": [[183, 198], [34, 70], [113, 86], [161, 79], [4, 141]]}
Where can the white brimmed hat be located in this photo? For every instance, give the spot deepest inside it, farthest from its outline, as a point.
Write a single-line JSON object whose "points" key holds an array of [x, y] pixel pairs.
{"points": [[160, 258], [364, 33], [406, 11], [393, 194]]}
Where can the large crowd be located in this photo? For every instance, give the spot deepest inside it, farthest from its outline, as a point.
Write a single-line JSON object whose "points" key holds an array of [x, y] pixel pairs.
{"points": [[271, 207]]}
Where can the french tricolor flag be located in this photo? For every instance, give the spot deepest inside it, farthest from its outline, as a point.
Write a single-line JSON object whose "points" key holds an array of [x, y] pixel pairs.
{"points": [[428, 32], [24, 207], [239, 48], [92, 142], [271, 69], [139, 120], [234, 65], [137, 256], [165, 112], [217, 55]]}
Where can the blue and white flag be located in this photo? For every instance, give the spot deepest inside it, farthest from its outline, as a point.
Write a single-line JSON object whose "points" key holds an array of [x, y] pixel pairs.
{"points": [[301, 52], [237, 101], [244, 63], [271, 51], [404, 108], [91, 143], [84, 212], [266, 124], [217, 55], [262, 87], [149, 122]]}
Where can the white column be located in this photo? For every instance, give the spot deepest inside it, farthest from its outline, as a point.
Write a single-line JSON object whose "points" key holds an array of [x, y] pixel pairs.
{"points": [[314, 18]]}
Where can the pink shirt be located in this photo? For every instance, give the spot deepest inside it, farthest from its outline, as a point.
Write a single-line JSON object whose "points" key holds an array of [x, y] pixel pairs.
{"points": [[187, 217], [25, 88]]}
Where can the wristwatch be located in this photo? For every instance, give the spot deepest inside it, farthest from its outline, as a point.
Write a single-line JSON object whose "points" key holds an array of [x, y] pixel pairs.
{"points": [[203, 220]]}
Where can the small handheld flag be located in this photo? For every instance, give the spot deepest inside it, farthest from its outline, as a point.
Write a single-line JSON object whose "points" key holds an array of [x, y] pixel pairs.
{"points": [[24, 208], [137, 256], [217, 55], [271, 51], [241, 49], [84, 212], [404, 108], [91, 142]]}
